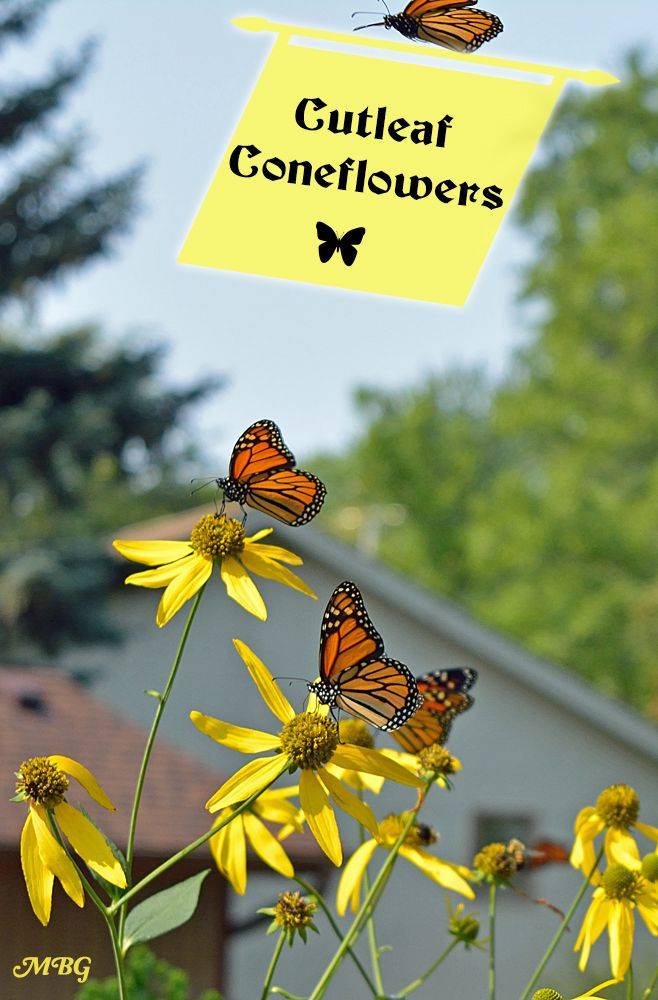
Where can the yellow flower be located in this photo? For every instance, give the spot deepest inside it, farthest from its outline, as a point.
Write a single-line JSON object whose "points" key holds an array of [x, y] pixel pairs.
{"points": [[42, 782], [428, 762], [616, 811], [420, 836], [229, 846], [593, 994], [308, 742], [621, 891], [182, 568]]}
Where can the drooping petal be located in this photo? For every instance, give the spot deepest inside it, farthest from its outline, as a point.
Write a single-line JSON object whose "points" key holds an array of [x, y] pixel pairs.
{"points": [[235, 737], [54, 857], [216, 842], [234, 855], [184, 586], [355, 758], [585, 813], [38, 879], [593, 926], [593, 993], [349, 803], [320, 816], [647, 906], [269, 690], [271, 570], [256, 537], [439, 871], [621, 927], [349, 886], [583, 854], [251, 778], [649, 831], [89, 843], [621, 848], [161, 576], [273, 552], [152, 553], [85, 777], [241, 588], [267, 847]]}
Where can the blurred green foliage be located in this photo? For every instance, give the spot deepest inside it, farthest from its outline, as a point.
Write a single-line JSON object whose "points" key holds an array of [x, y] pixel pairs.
{"points": [[89, 437], [147, 978], [535, 501]]}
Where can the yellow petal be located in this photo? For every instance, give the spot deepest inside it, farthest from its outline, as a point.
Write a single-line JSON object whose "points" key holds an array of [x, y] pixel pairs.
{"points": [[235, 737], [274, 552], [276, 810], [55, 857], [349, 886], [621, 848], [89, 843], [595, 989], [320, 816], [216, 843], [620, 928], [352, 805], [159, 577], [267, 847], [152, 553], [373, 762], [648, 909], [184, 586], [582, 817], [242, 588], [269, 690], [263, 533], [589, 826], [85, 777], [593, 926], [439, 871], [271, 570], [361, 782], [649, 831], [251, 778], [234, 855], [38, 879]]}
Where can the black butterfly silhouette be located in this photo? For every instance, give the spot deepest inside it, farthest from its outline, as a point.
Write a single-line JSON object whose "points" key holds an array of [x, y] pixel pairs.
{"points": [[330, 243]]}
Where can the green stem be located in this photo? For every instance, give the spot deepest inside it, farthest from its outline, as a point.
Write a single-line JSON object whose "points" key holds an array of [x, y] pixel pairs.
{"points": [[118, 958], [651, 987], [312, 891], [492, 941], [629, 983], [272, 966], [430, 971], [372, 934], [369, 902], [183, 853], [561, 929], [163, 698]]}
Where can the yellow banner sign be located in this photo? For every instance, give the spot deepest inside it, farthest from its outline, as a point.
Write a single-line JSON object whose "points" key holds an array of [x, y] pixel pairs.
{"points": [[373, 174]]}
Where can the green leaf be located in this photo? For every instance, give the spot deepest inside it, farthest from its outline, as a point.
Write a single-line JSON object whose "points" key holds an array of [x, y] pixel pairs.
{"points": [[163, 912]]}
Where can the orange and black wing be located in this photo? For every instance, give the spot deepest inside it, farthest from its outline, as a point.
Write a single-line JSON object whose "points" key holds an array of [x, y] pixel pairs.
{"points": [[290, 495], [348, 639], [423, 729], [260, 449], [445, 696], [419, 7], [382, 692], [460, 29]]}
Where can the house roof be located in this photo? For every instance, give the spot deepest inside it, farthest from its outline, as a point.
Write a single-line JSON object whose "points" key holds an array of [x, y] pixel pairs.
{"points": [[45, 712], [437, 614]]}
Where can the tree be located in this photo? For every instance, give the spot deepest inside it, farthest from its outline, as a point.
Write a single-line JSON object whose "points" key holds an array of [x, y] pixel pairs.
{"points": [[89, 437], [538, 509]]}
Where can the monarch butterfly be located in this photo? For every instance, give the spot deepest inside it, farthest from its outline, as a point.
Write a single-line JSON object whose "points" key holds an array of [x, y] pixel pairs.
{"points": [[444, 697], [355, 673], [262, 474], [444, 22]]}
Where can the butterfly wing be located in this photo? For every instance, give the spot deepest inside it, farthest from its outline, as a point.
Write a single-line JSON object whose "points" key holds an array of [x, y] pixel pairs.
{"points": [[382, 692], [290, 495], [419, 7], [259, 450], [348, 244], [329, 241], [458, 29], [347, 636], [444, 694]]}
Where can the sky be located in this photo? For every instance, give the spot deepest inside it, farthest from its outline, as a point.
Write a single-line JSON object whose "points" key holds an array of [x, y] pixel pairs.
{"points": [[168, 86]]}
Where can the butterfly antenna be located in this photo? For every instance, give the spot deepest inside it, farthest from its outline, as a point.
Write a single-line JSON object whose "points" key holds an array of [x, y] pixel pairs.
{"points": [[376, 24], [365, 13], [206, 482]]}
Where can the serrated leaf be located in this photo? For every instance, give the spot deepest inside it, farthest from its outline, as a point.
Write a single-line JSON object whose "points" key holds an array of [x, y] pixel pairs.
{"points": [[164, 911]]}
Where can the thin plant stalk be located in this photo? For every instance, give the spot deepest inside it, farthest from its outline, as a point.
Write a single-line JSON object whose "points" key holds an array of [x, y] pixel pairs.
{"points": [[557, 937], [312, 891], [629, 983], [369, 902], [651, 987], [183, 853], [163, 698], [492, 942], [430, 971], [272, 966], [372, 934]]}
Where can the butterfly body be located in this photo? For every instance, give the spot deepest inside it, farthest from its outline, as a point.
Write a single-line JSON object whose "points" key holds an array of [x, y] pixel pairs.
{"points": [[356, 675], [262, 475], [452, 24]]}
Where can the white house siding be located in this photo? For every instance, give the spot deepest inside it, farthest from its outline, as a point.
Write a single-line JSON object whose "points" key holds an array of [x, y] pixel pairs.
{"points": [[521, 753]]}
